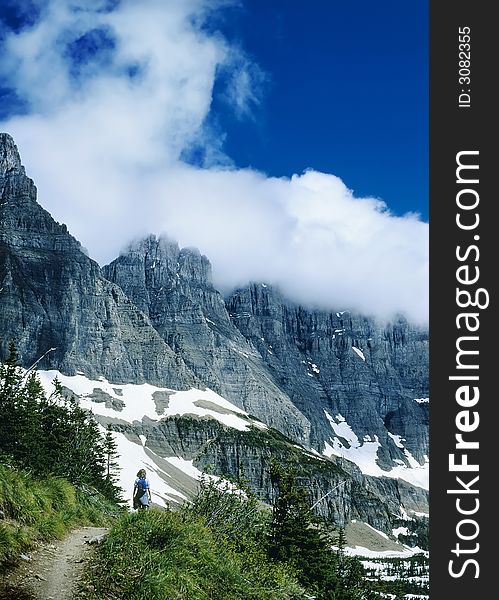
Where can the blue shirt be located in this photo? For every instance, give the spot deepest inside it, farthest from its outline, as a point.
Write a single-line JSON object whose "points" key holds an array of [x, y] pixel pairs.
{"points": [[142, 486], [142, 483]]}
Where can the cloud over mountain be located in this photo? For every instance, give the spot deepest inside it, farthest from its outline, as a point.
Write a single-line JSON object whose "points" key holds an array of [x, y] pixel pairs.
{"points": [[115, 95]]}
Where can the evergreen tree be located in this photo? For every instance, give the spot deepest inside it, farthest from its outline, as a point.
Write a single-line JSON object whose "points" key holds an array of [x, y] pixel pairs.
{"points": [[10, 381], [298, 539], [110, 456], [51, 435], [30, 445]]}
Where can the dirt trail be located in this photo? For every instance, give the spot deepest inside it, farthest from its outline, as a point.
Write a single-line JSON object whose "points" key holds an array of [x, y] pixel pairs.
{"points": [[53, 570]]}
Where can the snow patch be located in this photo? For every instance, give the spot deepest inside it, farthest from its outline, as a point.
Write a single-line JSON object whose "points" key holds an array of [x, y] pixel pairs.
{"points": [[404, 514], [364, 454], [365, 552], [420, 514], [359, 353], [397, 440], [138, 402], [241, 352], [186, 466], [381, 533]]}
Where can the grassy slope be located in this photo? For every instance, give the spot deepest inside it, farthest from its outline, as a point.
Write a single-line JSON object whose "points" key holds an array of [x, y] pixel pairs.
{"points": [[39, 510], [173, 555]]}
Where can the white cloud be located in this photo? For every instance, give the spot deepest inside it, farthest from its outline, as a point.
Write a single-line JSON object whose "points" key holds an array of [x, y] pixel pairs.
{"points": [[105, 149]]}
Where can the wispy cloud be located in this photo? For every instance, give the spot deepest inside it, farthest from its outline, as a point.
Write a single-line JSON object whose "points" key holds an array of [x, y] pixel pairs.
{"points": [[119, 93]]}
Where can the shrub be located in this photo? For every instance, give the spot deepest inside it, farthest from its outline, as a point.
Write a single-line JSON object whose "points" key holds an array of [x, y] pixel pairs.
{"points": [[42, 509], [176, 556]]}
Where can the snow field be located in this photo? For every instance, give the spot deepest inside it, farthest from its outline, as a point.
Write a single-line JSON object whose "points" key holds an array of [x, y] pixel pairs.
{"points": [[364, 454]]}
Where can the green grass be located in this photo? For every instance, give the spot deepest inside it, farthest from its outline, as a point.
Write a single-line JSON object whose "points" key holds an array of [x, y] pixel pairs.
{"points": [[43, 509], [174, 555]]}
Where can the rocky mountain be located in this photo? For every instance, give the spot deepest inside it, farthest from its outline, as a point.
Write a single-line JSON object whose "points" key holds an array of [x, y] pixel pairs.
{"points": [[174, 289], [343, 394], [52, 295], [303, 371], [373, 375], [180, 435]]}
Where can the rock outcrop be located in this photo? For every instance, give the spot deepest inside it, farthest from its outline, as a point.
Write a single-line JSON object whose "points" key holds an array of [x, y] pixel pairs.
{"points": [[369, 373], [53, 296], [338, 488], [173, 287], [286, 364]]}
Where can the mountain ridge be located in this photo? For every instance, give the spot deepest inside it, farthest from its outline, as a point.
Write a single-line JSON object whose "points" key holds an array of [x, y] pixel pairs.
{"points": [[342, 385]]}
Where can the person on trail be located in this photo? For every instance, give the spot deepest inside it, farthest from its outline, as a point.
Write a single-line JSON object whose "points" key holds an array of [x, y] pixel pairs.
{"points": [[141, 491]]}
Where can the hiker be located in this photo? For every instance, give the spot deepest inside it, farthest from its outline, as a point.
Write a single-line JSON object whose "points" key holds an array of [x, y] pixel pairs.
{"points": [[141, 491]]}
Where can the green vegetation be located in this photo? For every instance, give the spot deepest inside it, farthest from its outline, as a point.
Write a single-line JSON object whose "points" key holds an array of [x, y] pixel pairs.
{"points": [[399, 576], [299, 539], [42, 509], [167, 555], [51, 435], [56, 471], [226, 544], [417, 532]]}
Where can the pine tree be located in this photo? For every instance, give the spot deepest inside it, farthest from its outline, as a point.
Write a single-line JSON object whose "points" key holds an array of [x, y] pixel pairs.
{"points": [[291, 517], [10, 382], [30, 443], [298, 539], [51, 435], [110, 452], [79, 451], [111, 464], [342, 541]]}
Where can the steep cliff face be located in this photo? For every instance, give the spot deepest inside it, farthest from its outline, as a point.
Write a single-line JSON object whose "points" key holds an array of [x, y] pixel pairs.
{"points": [[198, 430], [370, 378], [342, 385], [53, 296], [339, 490], [173, 288]]}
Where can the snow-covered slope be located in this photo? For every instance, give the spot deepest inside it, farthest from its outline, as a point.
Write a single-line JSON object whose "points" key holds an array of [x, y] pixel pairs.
{"points": [[172, 478], [363, 453]]}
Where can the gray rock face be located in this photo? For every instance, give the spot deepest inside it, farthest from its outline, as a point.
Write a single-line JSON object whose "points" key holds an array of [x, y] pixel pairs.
{"points": [[12, 174], [173, 288], [153, 316], [368, 372], [53, 296], [283, 363], [338, 487]]}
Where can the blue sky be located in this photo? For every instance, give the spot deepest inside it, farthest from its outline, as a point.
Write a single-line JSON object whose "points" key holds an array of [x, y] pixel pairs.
{"points": [[347, 93], [344, 90], [287, 141]]}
